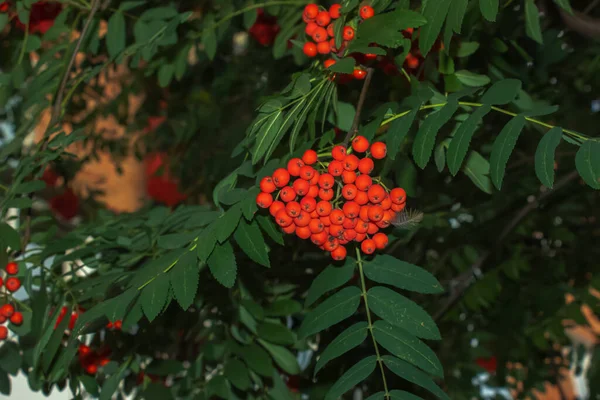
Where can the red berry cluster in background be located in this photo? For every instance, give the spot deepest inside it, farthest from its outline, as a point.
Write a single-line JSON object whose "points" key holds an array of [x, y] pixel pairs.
{"points": [[41, 16], [265, 28], [90, 360], [333, 203], [117, 325], [7, 310], [66, 203]]}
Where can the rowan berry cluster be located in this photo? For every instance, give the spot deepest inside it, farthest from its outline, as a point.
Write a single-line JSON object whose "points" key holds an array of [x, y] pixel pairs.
{"points": [[7, 311], [90, 359], [332, 199], [319, 27]]}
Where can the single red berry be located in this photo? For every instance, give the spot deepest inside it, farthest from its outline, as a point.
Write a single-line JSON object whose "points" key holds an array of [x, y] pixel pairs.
{"points": [[281, 177], [287, 194], [348, 33], [324, 47], [351, 209], [310, 157], [308, 204], [3, 332], [366, 165], [13, 284], [320, 35], [326, 194], [267, 185], [361, 198], [310, 49], [368, 246], [339, 253], [294, 165], [376, 194], [338, 153], [12, 268], [412, 62], [264, 200], [7, 310], [359, 73], [330, 31], [328, 63], [275, 207], [324, 208], [366, 12], [349, 191], [17, 319], [360, 144], [363, 182], [84, 350], [91, 369], [375, 213], [73, 319], [311, 11], [335, 168], [323, 18], [398, 196], [283, 219], [378, 150], [334, 11], [326, 181], [348, 177], [350, 162], [311, 27], [370, 56]]}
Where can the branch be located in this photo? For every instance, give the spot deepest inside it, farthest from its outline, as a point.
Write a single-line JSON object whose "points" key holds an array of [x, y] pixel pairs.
{"points": [[359, 107], [467, 278]]}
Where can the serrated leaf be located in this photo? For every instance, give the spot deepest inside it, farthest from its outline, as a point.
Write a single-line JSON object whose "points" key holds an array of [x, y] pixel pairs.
{"points": [[266, 135], [406, 371], [402, 312], [489, 9], [386, 29], [282, 357], [457, 150], [275, 333], [503, 147], [532, 21], [407, 347], [358, 373], [343, 343], [477, 169], [270, 229], [226, 224], [206, 243], [222, 264], [184, 279], [587, 161], [397, 132], [154, 296], [435, 12], [469, 78], [343, 66], [115, 34], [544, 156], [502, 92], [331, 278], [251, 241], [333, 310], [392, 271], [425, 139]]}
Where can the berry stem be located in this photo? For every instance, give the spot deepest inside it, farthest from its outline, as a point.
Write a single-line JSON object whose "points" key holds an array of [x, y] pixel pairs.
{"points": [[370, 321], [359, 107]]}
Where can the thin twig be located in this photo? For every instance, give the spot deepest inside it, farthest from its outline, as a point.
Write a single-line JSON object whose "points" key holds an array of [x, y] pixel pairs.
{"points": [[359, 107], [467, 278], [591, 6]]}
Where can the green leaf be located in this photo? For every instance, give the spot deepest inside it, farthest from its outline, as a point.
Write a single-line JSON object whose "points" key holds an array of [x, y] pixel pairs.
{"points": [[532, 21], [269, 227], [469, 78], [226, 224], [503, 147], [110, 385], [392, 271], [9, 237], [282, 357], [115, 34], [251, 241], [184, 279], [266, 135], [402, 312], [343, 343], [343, 66], [222, 264], [425, 139], [502, 92], [457, 150], [275, 333], [439, 156], [587, 161], [206, 243], [165, 74], [377, 396], [10, 358], [397, 132], [407, 347], [283, 308], [456, 15], [565, 5], [402, 395], [154, 296], [331, 278], [477, 169], [29, 187], [237, 373], [333, 310], [218, 387], [544, 156], [386, 29], [406, 371], [435, 12], [338, 31], [257, 359], [173, 241], [358, 373], [3, 22], [489, 9], [209, 38]]}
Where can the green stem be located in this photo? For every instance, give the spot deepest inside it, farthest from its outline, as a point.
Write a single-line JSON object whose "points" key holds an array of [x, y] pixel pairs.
{"points": [[22, 53], [497, 109], [370, 321]]}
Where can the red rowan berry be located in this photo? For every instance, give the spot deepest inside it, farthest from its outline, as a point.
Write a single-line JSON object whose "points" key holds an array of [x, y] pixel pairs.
{"points": [[3, 332], [339, 253], [316, 226], [301, 187], [326, 221], [348, 33], [311, 27], [283, 219], [386, 220], [267, 185], [307, 172], [338, 153], [303, 219], [7, 310], [264, 200], [363, 182], [319, 238], [373, 228], [281, 177], [313, 191], [310, 49], [350, 223], [84, 350], [326, 181], [324, 208], [412, 62], [366, 12], [306, 19], [275, 207], [378, 150], [337, 217], [366, 165], [370, 56], [293, 209], [336, 230], [335, 168], [375, 213], [324, 47], [330, 32], [320, 35], [368, 246], [303, 232], [12, 284], [294, 166], [311, 11], [328, 63], [91, 369], [350, 162], [287, 194], [364, 213], [104, 361], [12, 268], [314, 181], [349, 234], [360, 144], [386, 203], [359, 73], [334, 11], [351, 209], [360, 237], [331, 244], [398, 196], [309, 157], [349, 191], [308, 204], [398, 207], [323, 18], [376, 194], [361, 227], [326, 194], [290, 229], [118, 325], [348, 176], [361, 198]]}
